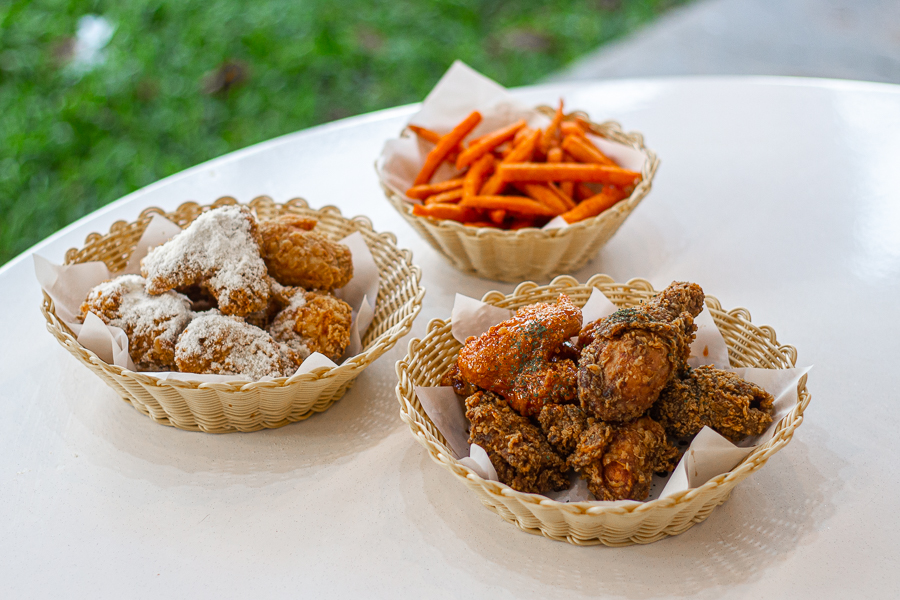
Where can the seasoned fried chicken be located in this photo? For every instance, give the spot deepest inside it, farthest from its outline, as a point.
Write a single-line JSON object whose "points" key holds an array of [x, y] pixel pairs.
{"points": [[518, 450], [630, 356], [513, 358], [296, 256], [718, 399], [453, 379], [313, 322], [563, 425], [618, 461]]}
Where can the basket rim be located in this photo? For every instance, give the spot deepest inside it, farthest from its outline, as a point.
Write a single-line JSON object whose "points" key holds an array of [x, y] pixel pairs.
{"points": [[372, 351], [611, 130], [440, 453]]}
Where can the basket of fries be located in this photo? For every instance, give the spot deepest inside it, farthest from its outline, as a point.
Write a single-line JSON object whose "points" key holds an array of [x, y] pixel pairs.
{"points": [[513, 193], [594, 522], [241, 403]]}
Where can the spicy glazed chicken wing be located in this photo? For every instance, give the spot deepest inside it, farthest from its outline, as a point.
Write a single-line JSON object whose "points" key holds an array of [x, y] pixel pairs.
{"points": [[513, 358]]}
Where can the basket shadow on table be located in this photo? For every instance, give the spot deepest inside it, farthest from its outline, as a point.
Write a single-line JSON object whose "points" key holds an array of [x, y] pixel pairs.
{"points": [[736, 544], [359, 420]]}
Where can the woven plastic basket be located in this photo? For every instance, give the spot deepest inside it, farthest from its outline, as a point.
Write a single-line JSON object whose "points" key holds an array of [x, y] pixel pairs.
{"points": [[587, 523], [532, 254], [250, 406]]}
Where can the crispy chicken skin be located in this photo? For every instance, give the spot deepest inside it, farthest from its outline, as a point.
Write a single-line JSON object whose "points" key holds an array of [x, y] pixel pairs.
{"points": [[313, 322], [296, 256], [630, 356], [513, 358], [518, 450], [618, 461], [563, 425], [719, 399]]}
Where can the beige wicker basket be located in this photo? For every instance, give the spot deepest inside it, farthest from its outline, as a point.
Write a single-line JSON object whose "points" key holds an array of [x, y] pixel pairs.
{"points": [[250, 406], [586, 523], [532, 254]]}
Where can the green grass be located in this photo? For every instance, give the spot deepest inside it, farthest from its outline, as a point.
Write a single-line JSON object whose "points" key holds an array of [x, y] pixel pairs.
{"points": [[69, 144]]}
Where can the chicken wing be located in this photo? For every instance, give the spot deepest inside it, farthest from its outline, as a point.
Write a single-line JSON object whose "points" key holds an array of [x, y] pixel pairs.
{"points": [[513, 357], [518, 450], [618, 461], [296, 256], [719, 399], [629, 356]]}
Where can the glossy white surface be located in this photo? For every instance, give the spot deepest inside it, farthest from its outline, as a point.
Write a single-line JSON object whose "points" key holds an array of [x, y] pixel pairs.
{"points": [[779, 195]]}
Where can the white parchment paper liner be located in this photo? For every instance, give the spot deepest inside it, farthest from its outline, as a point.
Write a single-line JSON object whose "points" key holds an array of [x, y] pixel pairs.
{"points": [[460, 91], [709, 454], [68, 285]]}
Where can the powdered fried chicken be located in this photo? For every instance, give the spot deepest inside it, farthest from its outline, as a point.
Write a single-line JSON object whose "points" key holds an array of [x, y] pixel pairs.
{"points": [[152, 323], [219, 250], [630, 356], [313, 322], [715, 398], [563, 425], [513, 357], [297, 256], [518, 450], [618, 461], [226, 345]]}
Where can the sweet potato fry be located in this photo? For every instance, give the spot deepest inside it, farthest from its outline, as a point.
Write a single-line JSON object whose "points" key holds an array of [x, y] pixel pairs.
{"points": [[521, 152], [497, 216], [582, 191], [572, 128], [476, 175], [426, 134], [445, 145], [486, 143], [583, 150], [453, 196], [567, 199], [522, 134], [514, 204], [420, 192], [480, 224], [595, 205], [543, 194], [542, 172], [453, 212], [555, 155], [550, 137]]}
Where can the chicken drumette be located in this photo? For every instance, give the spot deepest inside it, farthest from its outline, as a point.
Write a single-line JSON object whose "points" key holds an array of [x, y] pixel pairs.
{"points": [[628, 357], [518, 450], [520, 358], [719, 399]]}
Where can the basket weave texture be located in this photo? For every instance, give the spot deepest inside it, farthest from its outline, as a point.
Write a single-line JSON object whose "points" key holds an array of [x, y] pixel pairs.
{"points": [[532, 254], [251, 406], [588, 523]]}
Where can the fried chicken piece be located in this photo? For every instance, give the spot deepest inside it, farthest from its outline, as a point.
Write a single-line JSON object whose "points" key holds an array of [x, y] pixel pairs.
{"points": [[296, 256], [453, 379], [227, 345], [313, 322], [518, 450], [632, 354], [718, 399], [618, 461], [513, 357], [220, 252], [563, 425], [152, 323]]}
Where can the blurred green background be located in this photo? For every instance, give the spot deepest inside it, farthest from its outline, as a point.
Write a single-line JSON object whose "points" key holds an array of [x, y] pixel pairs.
{"points": [[184, 81]]}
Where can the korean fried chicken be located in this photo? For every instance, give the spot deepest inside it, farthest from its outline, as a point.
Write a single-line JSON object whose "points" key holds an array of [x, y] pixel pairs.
{"points": [[297, 256], [453, 379], [563, 425], [618, 460], [152, 323], [513, 357], [719, 399], [518, 450], [313, 322], [220, 252], [227, 345], [630, 356]]}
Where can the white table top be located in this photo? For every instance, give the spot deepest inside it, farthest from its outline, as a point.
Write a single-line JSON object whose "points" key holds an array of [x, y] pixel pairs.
{"points": [[779, 195]]}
